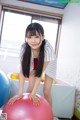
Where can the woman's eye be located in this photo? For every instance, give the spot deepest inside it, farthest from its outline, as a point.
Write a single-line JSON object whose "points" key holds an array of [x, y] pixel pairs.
{"points": [[29, 37], [37, 36]]}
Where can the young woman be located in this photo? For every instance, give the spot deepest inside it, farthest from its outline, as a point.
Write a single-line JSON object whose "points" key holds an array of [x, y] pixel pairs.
{"points": [[37, 56]]}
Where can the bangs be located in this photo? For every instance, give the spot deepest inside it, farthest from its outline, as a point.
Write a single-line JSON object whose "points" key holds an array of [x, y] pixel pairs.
{"points": [[32, 33]]}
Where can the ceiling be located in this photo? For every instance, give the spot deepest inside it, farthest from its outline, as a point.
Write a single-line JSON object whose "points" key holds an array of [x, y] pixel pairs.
{"points": [[52, 3]]}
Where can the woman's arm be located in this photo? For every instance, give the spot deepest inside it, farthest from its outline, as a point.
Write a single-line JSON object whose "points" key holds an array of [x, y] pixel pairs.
{"points": [[20, 93], [38, 79], [33, 96], [36, 85]]}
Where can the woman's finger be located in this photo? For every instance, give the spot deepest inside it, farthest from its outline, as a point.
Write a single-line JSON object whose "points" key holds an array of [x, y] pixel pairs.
{"points": [[19, 98], [12, 100], [36, 101]]}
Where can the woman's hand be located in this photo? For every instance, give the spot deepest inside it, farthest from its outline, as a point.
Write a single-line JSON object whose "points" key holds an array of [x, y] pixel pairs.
{"points": [[13, 99], [34, 99]]}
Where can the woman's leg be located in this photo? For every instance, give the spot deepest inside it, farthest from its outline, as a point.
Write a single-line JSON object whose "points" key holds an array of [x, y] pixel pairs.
{"points": [[47, 89], [31, 82]]}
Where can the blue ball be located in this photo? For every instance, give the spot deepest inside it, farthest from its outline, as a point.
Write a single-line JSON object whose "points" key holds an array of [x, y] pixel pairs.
{"points": [[4, 88]]}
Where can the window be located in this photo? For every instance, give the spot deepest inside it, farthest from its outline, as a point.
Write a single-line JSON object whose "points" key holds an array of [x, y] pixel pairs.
{"points": [[14, 26], [13, 33]]}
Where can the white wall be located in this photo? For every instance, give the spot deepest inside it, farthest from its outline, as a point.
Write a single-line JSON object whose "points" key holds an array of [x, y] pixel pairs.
{"points": [[69, 49]]}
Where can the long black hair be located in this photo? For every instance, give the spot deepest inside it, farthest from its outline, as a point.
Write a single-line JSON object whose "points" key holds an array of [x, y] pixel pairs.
{"points": [[26, 52]]}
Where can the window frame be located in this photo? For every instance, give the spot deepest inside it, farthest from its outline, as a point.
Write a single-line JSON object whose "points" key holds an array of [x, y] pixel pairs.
{"points": [[36, 16]]}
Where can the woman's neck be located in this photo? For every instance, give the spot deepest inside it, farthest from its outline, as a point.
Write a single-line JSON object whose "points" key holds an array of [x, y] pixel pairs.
{"points": [[36, 53]]}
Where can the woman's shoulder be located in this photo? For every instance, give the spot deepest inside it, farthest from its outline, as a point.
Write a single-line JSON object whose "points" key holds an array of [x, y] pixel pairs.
{"points": [[23, 45], [48, 47], [49, 51], [22, 50]]}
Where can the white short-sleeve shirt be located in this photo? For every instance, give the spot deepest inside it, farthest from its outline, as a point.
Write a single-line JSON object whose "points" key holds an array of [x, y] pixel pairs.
{"points": [[50, 57]]}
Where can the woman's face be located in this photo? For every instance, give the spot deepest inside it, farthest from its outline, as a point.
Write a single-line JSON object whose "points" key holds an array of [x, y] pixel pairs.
{"points": [[34, 41]]}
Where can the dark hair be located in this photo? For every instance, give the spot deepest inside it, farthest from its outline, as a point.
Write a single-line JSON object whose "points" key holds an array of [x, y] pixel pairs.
{"points": [[26, 55]]}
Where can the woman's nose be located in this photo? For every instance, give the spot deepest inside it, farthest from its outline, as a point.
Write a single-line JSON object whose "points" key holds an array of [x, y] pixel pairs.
{"points": [[33, 39]]}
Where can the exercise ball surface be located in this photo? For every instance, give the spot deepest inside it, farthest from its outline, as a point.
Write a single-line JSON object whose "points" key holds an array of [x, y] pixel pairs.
{"points": [[24, 109], [4, 88]]}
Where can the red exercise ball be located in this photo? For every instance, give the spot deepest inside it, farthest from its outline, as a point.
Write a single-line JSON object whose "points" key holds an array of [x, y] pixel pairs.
{"points": [[23, 109]]}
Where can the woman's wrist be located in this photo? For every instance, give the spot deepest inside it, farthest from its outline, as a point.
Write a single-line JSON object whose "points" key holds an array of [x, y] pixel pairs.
{"points": [[33, 92]]}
